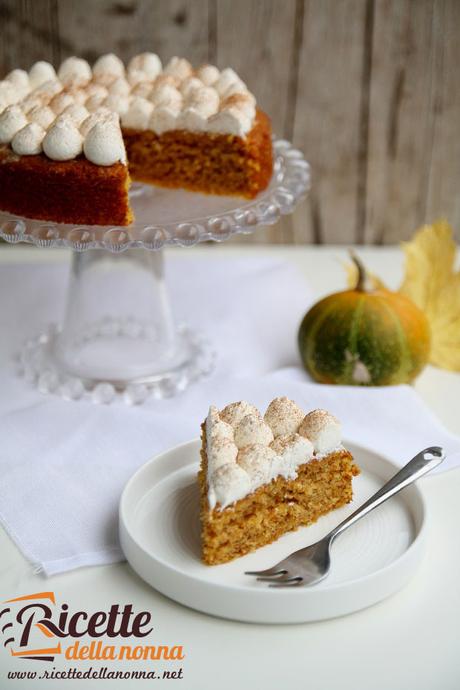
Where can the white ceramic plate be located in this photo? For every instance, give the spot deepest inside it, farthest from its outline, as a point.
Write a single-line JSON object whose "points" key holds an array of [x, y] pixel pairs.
{"points": [[160, 536]]}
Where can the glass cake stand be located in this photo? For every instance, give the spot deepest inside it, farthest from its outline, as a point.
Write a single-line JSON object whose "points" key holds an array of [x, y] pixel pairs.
{"points": [[118, 334]]}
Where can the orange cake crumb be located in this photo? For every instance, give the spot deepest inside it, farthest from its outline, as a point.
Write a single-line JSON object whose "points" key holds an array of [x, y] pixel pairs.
{"points": [[74, 191], [202, 161], [282, 506]]}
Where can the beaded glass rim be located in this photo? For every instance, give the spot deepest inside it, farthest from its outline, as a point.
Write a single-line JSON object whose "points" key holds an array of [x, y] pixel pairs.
{"points": [[289, 184]]}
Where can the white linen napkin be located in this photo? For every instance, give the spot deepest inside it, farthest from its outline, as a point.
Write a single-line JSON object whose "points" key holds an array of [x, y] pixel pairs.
{"points": [[63, 465]]}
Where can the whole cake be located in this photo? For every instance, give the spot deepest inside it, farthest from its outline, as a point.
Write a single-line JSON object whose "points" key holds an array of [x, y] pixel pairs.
{"points": [[263, 476], [71, 141]]}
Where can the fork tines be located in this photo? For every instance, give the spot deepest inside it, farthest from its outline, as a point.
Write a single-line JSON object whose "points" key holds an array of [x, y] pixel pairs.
{"points": [[277, 577]]}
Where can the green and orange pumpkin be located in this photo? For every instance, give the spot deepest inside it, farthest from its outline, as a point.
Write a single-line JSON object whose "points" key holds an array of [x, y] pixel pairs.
{"points": [[364, 336]]}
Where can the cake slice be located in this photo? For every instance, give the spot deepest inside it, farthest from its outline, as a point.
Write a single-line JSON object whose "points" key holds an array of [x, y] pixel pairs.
{"points": [[261, 477]]}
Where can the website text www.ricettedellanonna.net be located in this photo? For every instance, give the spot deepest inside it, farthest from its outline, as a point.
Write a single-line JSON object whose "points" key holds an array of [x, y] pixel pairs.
{"points": [[103, 673]]}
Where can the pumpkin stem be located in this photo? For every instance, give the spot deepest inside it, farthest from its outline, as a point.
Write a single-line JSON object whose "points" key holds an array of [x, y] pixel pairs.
{"points": [[362, 275]]}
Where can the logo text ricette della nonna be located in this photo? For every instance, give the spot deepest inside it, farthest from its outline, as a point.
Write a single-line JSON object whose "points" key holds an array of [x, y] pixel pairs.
{"points": [[34, 627]]}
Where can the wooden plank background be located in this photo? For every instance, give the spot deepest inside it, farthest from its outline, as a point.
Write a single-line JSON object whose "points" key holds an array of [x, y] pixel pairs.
{"points": [[368, 89]]}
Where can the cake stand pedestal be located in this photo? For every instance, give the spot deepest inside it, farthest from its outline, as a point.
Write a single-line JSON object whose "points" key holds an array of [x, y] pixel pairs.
{"points": [[118, 334]]}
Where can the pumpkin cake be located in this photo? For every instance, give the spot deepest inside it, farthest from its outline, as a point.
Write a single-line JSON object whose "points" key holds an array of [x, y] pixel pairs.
{"points": [[71, 141], [261, 477]]}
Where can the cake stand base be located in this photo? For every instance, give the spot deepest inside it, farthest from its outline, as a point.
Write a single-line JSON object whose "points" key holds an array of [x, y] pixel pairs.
{"points": [[118, 334]]}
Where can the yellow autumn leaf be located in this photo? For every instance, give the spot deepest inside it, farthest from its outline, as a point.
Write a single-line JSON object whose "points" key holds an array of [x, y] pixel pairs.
{"points": [[432, 282]]}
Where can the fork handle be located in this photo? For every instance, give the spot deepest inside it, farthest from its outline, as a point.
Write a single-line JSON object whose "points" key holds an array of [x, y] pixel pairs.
{"points": [[422, 463]]}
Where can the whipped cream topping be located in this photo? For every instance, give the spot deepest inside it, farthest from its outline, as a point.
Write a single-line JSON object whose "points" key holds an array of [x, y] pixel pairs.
{"points": [[283, 416], [32, 102], [148, 64], [138, 114], [244, 102], [117, 104], [119, 87], [164, 118], [104, 144], [9, 94], [189, 85], [166, 94], [191, 119], [12, 120], [20, 80], [230, 482], [223, 451], [41, 72], [323, 429], [229, 78], [94, 102], [60, 102], [234, 413], [75, 71], [76, 112], [252, 429], [204, 100], [28, 141], [48, 89], [95, 89], [246, 451], [142, 89], [208, 74], [98, 116], [257, 461], [230, 121], [108, 66], [42, 115], [63, 141], [223, 431], [80, 95], [135, 77], [144, 95], [291, 451], [163, 79], [180, 68]]}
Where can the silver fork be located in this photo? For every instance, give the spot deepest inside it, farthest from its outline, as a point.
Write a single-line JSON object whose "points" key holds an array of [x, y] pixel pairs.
{"points": [[312, 564]]}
